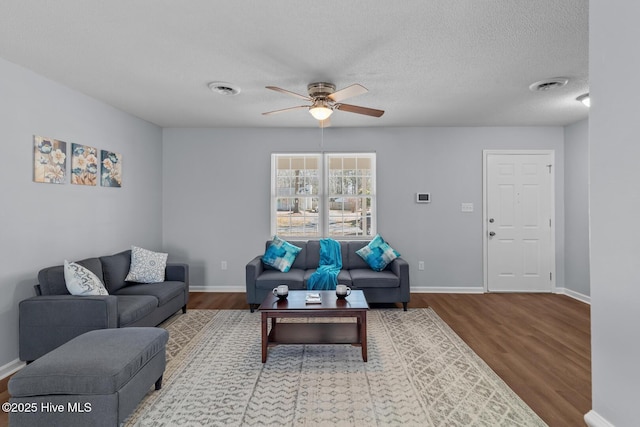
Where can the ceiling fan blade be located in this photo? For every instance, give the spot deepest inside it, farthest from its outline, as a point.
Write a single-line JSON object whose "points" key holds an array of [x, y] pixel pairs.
{"points": [[285, 109], [325, 123], [359, 110], [288, 92], [348, 92]]}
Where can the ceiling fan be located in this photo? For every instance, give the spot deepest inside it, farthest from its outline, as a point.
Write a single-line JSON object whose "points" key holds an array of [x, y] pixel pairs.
{"points": [[324, 100]]}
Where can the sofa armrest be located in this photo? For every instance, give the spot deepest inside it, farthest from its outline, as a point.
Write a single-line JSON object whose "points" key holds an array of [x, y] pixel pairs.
{"points": [[400, 268], [46, 322], [253, 269], [177, 272]]}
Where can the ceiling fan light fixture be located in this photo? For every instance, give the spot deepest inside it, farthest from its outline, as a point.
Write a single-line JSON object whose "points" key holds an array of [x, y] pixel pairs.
{"points": [[584, 99], [320, 110]]}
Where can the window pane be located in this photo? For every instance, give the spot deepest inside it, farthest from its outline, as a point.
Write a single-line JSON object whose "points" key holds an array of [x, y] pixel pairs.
{"points": [[297, 216], [349, 216], [295, 179], [304, 207], [364, 164]]}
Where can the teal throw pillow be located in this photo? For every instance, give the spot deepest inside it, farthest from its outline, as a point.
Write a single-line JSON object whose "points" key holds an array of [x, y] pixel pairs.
{"points": [[378, 254], [280, 254]]}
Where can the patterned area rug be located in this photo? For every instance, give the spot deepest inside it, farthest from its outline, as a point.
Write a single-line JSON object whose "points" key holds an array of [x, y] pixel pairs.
{"points": [[419, 373]]}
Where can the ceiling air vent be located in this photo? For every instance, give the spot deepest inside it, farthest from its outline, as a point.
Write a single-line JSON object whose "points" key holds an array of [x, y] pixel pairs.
{"points": [[548, 84], [224, 88]]}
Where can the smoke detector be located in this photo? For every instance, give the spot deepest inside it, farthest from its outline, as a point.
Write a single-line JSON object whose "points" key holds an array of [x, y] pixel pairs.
{"points": [[548, 84], [224, 88]]}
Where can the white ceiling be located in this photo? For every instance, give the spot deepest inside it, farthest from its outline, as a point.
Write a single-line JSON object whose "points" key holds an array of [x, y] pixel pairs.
{"points": [[426, 63]]}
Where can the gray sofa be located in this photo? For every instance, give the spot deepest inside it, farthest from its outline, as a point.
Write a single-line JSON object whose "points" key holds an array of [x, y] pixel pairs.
{"points": [[53, 316], [390, 285]]}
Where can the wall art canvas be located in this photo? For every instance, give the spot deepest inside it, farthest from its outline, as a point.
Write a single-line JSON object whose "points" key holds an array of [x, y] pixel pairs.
{"points": [[111, 170], [84, 165], [49, 160]]}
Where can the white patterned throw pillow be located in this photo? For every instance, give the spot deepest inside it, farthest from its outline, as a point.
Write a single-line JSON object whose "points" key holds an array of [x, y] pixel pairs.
{"points": [[146, 266], [81, 281]]}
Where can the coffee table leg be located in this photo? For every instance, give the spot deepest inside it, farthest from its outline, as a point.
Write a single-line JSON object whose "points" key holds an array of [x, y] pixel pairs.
{"points": [[363, 334], [265, 337]]}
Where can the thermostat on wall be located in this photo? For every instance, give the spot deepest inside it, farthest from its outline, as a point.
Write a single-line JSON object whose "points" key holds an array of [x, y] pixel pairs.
{"points": [[423, 197]]}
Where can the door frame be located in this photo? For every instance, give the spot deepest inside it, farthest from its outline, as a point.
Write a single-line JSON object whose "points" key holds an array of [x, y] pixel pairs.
{"points": [[485, 215]]}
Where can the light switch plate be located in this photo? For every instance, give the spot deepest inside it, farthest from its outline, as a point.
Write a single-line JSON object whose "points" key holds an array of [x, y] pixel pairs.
{"points": [[466, 207]]}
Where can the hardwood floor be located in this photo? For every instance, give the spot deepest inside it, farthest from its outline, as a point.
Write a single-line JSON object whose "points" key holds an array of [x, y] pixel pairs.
{"points": [[539, 344]]}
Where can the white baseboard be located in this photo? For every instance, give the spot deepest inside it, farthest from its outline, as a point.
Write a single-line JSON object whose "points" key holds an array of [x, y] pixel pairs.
{"points": [[11, 368], [593, 419], [204, 288], [414, 289], [573, 294]]}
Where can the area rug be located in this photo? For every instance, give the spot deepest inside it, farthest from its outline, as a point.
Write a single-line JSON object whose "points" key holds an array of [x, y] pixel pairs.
{"points": [[419, 373]]}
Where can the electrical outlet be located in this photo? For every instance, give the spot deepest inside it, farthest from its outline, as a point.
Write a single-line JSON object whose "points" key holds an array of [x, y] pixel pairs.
{"points": [[223, 265], [421, 265]]}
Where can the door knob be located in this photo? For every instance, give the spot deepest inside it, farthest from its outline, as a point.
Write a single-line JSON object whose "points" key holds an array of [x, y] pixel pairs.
{"points": [[491, 219], [492, 233]]}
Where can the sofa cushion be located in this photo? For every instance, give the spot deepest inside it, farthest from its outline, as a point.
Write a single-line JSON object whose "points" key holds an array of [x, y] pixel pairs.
{"points": [[114, 270], [97, 362], [378, 254], [269, 279], [132, 308], [164, 291], [344, 277], [82, 281], [146, 266], [367, 278], [280, 254], [313, 254], [51, 279], [353, 259]]}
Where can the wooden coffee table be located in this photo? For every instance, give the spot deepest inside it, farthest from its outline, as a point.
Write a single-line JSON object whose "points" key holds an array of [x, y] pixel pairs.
{"points": [[355, 305]]}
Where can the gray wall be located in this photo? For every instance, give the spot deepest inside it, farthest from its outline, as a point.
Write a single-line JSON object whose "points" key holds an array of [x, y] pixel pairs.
{"points": [[216, 186], [576, 202], [204, 195], [614, 205], [42, 224]]}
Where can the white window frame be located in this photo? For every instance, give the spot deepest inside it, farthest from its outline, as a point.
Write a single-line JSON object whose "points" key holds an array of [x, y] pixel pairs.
{"points": [[323, 195]]}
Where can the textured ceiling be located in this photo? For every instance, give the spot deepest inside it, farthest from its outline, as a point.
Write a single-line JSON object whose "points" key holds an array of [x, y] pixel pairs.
{"points": [[426, 63]]}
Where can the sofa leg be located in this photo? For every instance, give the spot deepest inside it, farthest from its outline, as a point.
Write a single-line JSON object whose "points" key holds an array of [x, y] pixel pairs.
{"points": [[252, 307], [404, 305], [159, 383], [184, 309]]}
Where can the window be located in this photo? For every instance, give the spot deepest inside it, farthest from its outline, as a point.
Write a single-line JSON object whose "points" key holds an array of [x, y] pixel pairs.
{"points": [[323, 195]]}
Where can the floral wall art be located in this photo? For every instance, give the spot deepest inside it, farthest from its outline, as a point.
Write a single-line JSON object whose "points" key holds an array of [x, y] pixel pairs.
{"points": [[49, 160], [84, 165], [50, 163], [111, 170]]}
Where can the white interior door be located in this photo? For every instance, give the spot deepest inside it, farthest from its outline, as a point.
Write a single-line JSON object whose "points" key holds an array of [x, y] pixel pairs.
{"points": [[519, 243]]}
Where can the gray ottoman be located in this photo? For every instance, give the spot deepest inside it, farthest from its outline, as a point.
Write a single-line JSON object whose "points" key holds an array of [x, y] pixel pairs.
{"points": [[96, 379]]}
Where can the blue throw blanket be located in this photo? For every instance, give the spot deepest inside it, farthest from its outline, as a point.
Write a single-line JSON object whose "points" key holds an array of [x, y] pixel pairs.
{"points": [[325, 277]]}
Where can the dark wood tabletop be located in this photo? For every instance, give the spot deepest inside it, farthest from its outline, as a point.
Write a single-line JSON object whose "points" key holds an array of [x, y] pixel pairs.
{"points": [[296, 301]]}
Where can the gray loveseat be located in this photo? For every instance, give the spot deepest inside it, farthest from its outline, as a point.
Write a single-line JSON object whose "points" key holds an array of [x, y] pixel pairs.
{"points": [[53, 316], [390, 285]]}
